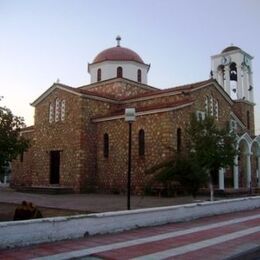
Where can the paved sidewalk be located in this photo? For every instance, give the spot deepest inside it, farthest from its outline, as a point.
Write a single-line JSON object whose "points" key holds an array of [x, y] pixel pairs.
{"points": [[91, 202], [217, 237]]}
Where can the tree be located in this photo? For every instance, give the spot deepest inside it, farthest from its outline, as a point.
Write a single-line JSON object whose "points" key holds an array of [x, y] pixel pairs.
{"points": [[11, 143], [209, 149], [212, 147], [182, 169]]}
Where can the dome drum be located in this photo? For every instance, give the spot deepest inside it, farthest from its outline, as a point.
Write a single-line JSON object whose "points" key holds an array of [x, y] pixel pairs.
{"points": [[106, 65]]}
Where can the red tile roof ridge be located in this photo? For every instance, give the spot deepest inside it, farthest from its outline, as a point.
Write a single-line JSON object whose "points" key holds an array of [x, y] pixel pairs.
{"points": [[87, 92], [151, 107], [165, 105], [173, 89], [147, 94]]}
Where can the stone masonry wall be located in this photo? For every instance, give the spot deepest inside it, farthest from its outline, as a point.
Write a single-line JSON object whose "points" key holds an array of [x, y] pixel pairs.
{"points": [[80, 140], [241, 108], [63, 136], [160, 133], [118, 88], [88, 141], [22, 166]]}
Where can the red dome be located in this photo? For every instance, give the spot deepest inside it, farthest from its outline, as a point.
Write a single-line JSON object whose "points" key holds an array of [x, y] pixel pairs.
{"points": [[118, 53]]}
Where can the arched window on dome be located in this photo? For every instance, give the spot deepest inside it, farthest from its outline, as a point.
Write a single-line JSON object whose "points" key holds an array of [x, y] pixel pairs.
{"points": [[119, 72], [139, 75], [99, 75], [141, 142], [106, 145]]}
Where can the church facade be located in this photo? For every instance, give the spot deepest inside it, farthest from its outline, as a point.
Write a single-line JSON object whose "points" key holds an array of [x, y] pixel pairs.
{"points": [[80, 136]]}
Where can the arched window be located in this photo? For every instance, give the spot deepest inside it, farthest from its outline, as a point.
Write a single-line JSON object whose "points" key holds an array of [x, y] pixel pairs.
{"points": [[139, 75], [216, 109], [119, 72], [141, 142], [106, 145], [207, 105], [233, 71], [57, 110], [98, 74], [178, 140], [51, 113], [63, 104], [248, 120], [211, 108]]}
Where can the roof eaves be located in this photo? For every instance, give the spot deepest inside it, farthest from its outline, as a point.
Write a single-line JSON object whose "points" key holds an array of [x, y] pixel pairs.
{"points": [[145, 111]]}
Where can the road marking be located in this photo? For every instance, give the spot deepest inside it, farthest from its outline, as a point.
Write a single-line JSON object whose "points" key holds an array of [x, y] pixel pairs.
{"points": [[134, 242], [198, 245]]}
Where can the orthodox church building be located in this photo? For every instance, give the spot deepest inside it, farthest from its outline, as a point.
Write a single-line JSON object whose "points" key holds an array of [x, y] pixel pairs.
{"points": [[80, 136]]}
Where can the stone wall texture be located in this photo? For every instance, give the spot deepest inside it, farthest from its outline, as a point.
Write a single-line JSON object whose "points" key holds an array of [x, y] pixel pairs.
{"points": [[79, 138]]}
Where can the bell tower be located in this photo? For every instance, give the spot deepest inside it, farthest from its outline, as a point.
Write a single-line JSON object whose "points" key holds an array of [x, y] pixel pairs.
{"points": [[232, 69]]}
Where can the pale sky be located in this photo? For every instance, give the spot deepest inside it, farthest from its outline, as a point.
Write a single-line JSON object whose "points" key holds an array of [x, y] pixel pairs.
{"points": [[41, 41]]}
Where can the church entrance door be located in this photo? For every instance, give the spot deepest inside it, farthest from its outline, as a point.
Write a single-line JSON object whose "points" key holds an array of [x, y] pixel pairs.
{"points": [[54, 167]]}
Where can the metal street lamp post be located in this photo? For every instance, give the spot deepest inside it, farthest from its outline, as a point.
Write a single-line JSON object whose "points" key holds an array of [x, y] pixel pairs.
{"points": [[130, 118]]}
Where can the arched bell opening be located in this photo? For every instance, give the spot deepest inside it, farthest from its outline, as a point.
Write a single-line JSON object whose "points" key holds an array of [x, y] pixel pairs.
{"points": [[233, 80], [221, 75]]}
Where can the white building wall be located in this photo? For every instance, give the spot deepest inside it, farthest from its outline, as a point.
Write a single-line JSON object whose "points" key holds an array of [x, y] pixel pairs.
{"points": [[244, 76], [109, 70]]}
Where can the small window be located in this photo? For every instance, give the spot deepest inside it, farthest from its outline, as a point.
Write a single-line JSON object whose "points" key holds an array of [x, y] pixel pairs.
{"points": [[248, 120], [141, 142], [200, 115], [57, 110], [211, 108], [63, 104], [106, 145], [178, 140], [98, 74], [51, 113], [119, 73], [207, 105], [216, 110], [139, 75]]}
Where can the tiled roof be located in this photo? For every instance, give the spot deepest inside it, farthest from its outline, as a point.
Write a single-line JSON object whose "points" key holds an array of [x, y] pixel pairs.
{"points": [[175, 104], [185, 88], [151, 94]]}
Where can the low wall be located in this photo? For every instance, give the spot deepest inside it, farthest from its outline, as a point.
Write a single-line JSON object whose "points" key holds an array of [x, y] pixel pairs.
{"points": [[27, 232]]}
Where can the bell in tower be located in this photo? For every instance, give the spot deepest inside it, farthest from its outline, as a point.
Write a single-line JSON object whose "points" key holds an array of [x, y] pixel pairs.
{"points": [[232, 69], [233, 72]]}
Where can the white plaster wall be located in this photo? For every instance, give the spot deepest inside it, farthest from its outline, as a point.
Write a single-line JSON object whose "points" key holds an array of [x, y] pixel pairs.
{"points": [[21, 233], [109, 70], [238, 57]]}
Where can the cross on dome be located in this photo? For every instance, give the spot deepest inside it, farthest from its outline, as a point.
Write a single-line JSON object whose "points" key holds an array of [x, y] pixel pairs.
{"points": [[118, 39]]}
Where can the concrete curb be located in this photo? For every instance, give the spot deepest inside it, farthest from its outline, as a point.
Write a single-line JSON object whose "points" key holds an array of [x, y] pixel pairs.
{"points": [[28, 232]]}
